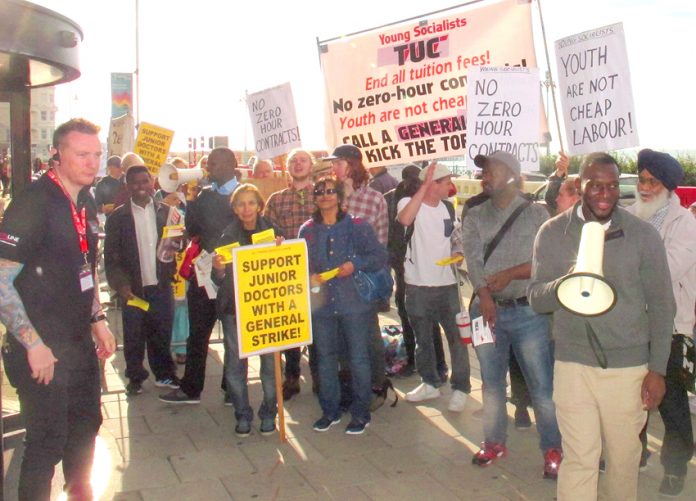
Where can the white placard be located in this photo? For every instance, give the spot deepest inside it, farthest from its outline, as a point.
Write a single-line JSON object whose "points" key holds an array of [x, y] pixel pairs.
{"points": [[272, 113], [595, 89], [503, 113]]}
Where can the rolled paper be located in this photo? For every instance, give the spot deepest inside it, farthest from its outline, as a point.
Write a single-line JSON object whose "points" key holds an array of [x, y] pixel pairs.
{"points": [[226, 252], [138, 303], [449, 260], [328, 275], [263, 237]]}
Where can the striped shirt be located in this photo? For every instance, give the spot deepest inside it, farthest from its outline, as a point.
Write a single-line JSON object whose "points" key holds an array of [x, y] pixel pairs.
{"points": [[370, 205]]}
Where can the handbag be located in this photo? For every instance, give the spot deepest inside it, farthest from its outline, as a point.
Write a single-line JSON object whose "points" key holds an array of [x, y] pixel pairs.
{"points": [[192, 252], [372, 286]]}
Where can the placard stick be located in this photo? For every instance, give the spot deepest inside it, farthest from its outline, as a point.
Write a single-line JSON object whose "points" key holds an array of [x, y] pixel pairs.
{"points": [[553, 87], [279, 396]]}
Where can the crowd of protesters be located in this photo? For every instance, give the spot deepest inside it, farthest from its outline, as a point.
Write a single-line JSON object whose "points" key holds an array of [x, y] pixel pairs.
{"points": [[589, 380]]}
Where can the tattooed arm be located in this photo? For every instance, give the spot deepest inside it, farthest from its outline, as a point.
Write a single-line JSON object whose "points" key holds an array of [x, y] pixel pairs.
{"points": [[14, 317]]}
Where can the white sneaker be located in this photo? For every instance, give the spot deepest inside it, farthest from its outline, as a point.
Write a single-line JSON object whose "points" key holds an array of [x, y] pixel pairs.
{"points": [[457, 401], [422, 392]]}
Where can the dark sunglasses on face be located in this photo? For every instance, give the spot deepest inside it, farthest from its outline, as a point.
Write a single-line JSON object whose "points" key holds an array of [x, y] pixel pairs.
{"points": [[324, 191]]}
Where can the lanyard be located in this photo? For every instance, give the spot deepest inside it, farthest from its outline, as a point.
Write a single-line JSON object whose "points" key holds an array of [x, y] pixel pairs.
{"points": [[79, 221]]}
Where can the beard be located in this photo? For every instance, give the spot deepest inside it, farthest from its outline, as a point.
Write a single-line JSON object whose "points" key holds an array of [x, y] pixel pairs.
{"points": [[645, 210]]}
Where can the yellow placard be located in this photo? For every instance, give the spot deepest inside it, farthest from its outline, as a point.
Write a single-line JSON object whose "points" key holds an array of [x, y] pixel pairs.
{"points": [[226, 252], [175, 230], [138, 303], [271, 284], [328, 275], [152, 144], [449, 260], [263, 237]]}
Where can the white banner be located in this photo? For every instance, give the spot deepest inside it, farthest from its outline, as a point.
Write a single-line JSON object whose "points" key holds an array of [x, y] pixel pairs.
{"points": [[272, 113], [503, 113], [595, 87], [399, 94], [121, 135]]}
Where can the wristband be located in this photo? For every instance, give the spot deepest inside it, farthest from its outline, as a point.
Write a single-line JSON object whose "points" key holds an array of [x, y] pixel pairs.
{"points": [[97, 317]]}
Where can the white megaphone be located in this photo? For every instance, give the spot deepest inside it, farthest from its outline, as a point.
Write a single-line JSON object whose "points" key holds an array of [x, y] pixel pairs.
{"points": [[170, 177], [585, 292]]}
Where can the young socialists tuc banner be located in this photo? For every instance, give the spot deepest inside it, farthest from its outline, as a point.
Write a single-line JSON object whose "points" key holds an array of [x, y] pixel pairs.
{"points": [[399, 94]]}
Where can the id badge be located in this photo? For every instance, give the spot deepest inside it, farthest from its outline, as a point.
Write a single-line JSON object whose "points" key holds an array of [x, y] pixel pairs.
{"points": [[481, 332], [86, 278]]}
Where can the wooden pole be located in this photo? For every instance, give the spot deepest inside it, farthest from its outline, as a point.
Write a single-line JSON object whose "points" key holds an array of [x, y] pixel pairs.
{"points": [[279, 396], [551, 84]]}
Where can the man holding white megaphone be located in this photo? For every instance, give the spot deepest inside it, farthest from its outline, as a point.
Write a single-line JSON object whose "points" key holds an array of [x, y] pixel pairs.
{"points": [[612, 334]]}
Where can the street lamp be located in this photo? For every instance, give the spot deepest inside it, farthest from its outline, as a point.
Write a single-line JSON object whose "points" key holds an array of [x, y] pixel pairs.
{"points": [[38, 48]]}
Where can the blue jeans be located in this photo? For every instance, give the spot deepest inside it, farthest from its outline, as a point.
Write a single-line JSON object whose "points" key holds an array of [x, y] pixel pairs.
{"points": [[236, 376], [529, 335], [332, 335], [426, 306]]}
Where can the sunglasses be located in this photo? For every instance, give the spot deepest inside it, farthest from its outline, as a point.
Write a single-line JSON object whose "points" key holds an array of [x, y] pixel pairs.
{"points": [[325, 191]]}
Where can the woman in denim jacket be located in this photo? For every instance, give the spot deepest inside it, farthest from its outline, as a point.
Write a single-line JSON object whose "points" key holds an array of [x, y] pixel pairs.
{"points": [[340, 318]]}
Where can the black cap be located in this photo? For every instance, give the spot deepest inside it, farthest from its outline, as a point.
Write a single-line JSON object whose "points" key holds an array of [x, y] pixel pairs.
{"points": [[345, 151]]}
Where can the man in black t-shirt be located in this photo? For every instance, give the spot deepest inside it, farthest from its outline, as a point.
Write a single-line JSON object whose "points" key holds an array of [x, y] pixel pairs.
{"points": [[49, 305]]}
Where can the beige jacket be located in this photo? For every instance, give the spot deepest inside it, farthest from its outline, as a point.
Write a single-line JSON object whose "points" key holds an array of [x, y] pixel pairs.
{"points": [[678, 233]]}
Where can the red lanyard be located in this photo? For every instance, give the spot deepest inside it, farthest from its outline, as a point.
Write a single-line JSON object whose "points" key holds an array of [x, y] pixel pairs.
{"points": [[79, 221]]}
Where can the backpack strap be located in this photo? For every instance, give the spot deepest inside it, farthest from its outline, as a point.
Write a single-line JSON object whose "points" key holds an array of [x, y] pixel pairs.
{"points": [[503, 229], [411, 227]]}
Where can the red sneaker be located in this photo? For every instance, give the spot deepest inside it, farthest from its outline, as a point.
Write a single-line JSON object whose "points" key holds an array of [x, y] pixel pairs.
{"points": [[488, 453], [552, 461]]}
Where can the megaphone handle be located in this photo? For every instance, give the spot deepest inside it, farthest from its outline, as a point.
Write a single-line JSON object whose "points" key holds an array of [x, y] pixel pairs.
{"points": [[596, 346]]}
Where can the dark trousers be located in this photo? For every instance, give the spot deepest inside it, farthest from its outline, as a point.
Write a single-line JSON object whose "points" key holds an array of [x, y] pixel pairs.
{"points": [[678, 443], [151, 329], [409, 336], [202, 318], [293, 358], [62, 420]]}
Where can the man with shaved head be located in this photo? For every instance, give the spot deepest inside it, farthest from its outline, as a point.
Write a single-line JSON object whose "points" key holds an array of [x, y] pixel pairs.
{"points": [[206, 217]]}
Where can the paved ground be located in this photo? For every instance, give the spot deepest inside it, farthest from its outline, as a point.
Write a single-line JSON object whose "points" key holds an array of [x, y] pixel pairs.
{"points": [[410, 452]]}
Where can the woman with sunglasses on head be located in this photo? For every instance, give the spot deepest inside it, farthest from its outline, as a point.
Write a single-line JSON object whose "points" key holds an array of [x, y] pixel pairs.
{"points": [[340, 318]]}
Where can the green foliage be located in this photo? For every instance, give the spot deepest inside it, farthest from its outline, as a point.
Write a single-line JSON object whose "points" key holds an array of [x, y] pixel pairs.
{"points": [[627, 162]]}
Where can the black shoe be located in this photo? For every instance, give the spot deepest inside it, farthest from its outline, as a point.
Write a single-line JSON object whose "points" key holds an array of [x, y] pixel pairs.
{"points": [[356, 427], [268, 426], [291, 387], [671, 486], [522, 419], [134, 388], [324, 423], [179, 397], [243, 428]]}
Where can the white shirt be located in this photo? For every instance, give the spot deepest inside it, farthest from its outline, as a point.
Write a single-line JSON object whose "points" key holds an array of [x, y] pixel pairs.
{"points": [[145, 221], [429, 244]]}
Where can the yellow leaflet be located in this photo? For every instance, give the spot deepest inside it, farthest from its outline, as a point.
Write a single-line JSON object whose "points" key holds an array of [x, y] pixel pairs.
{"points": [[449, 260], [328, 275], [226, 252], [263, 237], [139, 303], [175, 230]]}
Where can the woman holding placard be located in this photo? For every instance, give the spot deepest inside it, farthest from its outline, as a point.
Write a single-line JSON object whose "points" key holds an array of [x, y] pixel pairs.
{"points": [[247, 203]]}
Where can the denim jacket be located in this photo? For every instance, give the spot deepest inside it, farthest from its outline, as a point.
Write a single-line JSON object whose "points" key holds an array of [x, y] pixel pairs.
{"points": [[331, 245]]}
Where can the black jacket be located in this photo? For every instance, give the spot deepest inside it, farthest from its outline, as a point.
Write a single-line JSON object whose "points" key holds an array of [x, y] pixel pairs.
{"points": [[121, 257], [235, 233]]}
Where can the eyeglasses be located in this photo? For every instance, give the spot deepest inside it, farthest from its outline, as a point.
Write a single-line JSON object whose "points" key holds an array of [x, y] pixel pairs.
{"points": [[324, 191]]}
